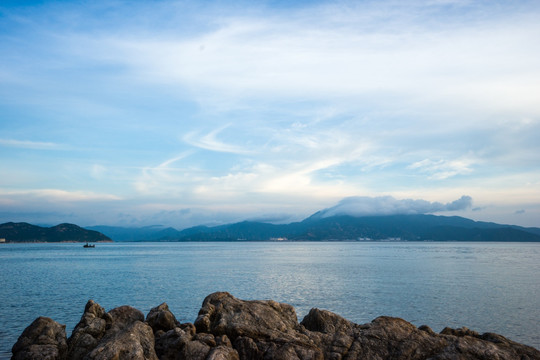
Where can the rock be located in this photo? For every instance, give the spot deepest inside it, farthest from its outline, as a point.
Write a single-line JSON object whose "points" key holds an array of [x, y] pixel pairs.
{"points": [[181, 341], [125, 316], [391, 338], [394, 338], [161, 318], [258, 329], [459, 332], [223, 314], [427, 329], [195, 350], [182, 344], [486, 346], [223, 352], [89, 331], [169, 344], [43, 339], [228, 328], [127, 338], [326, 322]]}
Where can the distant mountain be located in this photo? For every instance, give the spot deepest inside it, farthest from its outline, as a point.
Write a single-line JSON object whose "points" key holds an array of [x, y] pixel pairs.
{"points": [[24, 232], [146, 233], [319, 228], [344, 227]]}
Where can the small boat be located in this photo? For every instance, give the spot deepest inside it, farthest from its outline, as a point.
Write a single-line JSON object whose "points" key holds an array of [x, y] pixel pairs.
{"points": [[87, 245]]}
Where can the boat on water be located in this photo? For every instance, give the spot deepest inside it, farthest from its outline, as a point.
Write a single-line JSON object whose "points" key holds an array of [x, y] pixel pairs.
{"points": [[87, 245]]}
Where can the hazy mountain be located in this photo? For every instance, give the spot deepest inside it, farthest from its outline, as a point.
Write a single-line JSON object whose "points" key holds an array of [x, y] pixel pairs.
{"points": [[345, 227], [24, 232], [319, 227], [147, 233]]}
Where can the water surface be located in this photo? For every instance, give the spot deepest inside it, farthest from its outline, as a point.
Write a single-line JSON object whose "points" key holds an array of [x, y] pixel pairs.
{"points": [[484, 286]]}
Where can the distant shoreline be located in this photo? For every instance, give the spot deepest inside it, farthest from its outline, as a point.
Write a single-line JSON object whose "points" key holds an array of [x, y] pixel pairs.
{"points": [[266, 241], [58, 242]]}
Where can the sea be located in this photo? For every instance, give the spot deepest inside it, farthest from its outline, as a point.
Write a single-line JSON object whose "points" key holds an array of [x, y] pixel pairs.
{"points": [[487, 287]]}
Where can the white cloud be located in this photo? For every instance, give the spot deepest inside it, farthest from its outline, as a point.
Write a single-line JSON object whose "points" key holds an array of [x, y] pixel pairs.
{"points": [[250, 57], [443, 169], [388, 205]]}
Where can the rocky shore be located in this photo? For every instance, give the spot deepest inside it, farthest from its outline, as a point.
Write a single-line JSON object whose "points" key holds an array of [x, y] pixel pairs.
{"points": [[228, 328]]}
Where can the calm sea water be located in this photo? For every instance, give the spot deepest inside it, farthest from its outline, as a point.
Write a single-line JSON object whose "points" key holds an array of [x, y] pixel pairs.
{"points": [[484, 286]]}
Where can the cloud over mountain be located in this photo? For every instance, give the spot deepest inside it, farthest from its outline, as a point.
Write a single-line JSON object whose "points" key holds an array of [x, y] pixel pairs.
{"points": [[388, 205]]}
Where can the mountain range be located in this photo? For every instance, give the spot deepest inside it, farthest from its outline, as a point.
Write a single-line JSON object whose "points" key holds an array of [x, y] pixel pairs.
{"points": [[319, 227]]}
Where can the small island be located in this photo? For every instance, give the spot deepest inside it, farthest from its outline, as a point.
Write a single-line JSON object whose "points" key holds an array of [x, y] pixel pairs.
{"points": [[26, 233], [228, 328]]}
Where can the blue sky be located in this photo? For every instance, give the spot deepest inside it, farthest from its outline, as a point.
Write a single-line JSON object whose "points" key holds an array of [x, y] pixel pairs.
{"points": [[186, 113]]}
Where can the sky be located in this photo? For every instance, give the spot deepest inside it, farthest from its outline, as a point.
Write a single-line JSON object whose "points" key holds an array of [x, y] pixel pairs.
{"points": [[181, 113]]}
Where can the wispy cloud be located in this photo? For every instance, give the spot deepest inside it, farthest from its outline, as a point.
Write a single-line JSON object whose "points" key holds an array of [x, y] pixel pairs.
{"points": [[167, 163], [57, 195], [209, 141], [443, 169], [164, 178], [345, 55], [27, 144]]}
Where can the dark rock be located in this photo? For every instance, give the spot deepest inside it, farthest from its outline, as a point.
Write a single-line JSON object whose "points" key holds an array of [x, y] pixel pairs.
{"points": [[222, 352], [459, 332], [127, 338], [182, 344], [326, 322], [394, 338], [43, 339], [195, 350], [181, 341], [490, 345], [125, 316], [207, 339], [223, 314], [89, 331], [427, 329], [258, 329], [170, 344], [161, 318]]}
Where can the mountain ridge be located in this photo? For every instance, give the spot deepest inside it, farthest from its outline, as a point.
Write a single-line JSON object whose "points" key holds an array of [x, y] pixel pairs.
{"points": [[417, 227]]}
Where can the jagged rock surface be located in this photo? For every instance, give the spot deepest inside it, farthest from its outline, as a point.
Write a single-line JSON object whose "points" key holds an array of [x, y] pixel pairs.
{"points": [[231, 329], [43, 339], [89, 331], [128, 337], [258, 329]]}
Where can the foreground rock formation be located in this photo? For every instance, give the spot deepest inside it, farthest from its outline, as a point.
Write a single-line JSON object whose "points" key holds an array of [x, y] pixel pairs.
{"points": [[231, 329]]}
